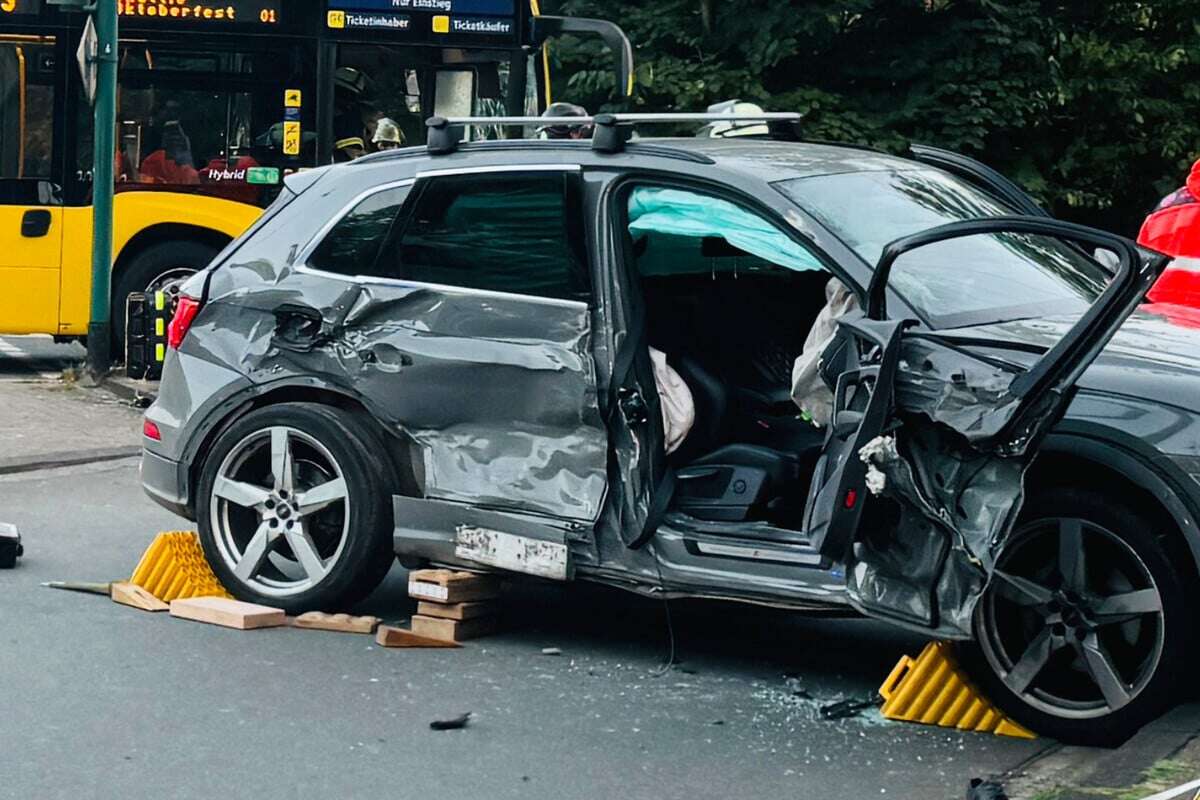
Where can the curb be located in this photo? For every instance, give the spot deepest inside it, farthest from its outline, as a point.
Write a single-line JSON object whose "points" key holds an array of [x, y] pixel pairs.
{"points": [[123, 391], [70, 458], [1062, 767]]}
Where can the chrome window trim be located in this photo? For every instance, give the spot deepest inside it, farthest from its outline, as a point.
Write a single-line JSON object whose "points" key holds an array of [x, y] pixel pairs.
{"points": [[301, 260], [438, 173]]}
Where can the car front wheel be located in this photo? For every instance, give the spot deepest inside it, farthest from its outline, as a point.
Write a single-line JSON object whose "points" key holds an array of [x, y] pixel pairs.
{"points": [[1083, 630], [293, 509]]}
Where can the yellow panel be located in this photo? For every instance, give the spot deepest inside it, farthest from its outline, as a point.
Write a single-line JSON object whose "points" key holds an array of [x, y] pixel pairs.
{"points": [[29, 273], [441, 24]]}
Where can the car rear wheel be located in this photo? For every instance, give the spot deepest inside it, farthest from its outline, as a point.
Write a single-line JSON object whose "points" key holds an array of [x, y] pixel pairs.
{"points": [[294, 510], [1083, 628]]}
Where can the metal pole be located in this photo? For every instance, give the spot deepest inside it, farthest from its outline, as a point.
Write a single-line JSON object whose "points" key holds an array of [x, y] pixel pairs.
{"points": [[100, 324]]}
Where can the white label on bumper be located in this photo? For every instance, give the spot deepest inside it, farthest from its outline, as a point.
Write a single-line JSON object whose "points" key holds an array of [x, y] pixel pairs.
{"points": [[512, 552]]}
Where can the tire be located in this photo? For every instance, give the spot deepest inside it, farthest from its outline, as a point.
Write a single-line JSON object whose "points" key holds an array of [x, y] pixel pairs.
{"points": [[148, 268], [1016, 627], [238, 501]]}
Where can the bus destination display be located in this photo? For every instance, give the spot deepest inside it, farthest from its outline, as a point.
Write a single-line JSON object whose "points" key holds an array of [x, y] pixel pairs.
{"points": [[440, 17], [228, 12]]}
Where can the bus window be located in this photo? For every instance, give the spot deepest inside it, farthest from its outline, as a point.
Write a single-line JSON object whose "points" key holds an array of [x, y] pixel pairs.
{"points": [[26, 118], [374, 82], [197, 121]]}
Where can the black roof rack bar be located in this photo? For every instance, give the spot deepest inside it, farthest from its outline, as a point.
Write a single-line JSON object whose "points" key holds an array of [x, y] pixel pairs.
{"points": [[612, 131]]}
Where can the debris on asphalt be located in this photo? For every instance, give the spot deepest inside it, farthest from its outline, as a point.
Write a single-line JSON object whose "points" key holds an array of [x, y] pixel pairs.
{"points": [[979, 789], [451, 724], [228, 613], [10, 545], [342, 623], [391, 636], [844, 709], [551, 651]]}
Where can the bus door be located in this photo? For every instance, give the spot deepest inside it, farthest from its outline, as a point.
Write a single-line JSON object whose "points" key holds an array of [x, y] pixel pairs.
{"points": [[31, 215]]}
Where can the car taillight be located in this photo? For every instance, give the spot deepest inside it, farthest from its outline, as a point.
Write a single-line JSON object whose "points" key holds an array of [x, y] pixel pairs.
{"points": [[150, 430], [185, 311]]}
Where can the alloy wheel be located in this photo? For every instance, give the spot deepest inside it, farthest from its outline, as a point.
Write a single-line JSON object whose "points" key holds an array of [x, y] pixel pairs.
{"points": [[1073, 621], [280, 511]]}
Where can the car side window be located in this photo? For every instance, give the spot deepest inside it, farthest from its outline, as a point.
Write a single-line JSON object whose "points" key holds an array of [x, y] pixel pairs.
{"points": [[352, 246], [507, 232]]}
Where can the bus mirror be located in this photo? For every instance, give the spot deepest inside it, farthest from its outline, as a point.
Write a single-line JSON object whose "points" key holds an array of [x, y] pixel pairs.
{"points": [[453, 93], [611, 34]]}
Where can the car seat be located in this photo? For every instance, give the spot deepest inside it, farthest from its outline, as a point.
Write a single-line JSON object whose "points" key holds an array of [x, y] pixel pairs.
{"points": [[731, 481]]}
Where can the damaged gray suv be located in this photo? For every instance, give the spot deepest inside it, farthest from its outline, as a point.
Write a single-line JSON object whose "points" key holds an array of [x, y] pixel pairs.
{"points": [[444, 354]]}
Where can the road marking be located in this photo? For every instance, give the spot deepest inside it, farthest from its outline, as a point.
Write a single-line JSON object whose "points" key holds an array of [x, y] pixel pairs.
{"points": [[29, 363]]}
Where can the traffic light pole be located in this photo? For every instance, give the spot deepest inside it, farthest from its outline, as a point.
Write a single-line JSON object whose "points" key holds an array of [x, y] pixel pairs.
{"points": [[99, 355]]}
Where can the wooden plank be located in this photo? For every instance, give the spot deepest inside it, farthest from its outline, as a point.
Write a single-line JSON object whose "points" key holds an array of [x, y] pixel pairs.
{"points": [[228, 613], [389, 636], [130, 594], [453, 630], [343, 623], [456, 610], [448, 586]]}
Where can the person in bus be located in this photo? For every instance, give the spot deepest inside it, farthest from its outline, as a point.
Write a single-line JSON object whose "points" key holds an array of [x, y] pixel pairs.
{"points": [[172, 163], [560, 131], [356, 117], [388, 135]]}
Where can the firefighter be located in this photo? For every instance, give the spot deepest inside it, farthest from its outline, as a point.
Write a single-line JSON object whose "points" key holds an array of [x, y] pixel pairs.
{"points": [[388, 135], [561, 131]]}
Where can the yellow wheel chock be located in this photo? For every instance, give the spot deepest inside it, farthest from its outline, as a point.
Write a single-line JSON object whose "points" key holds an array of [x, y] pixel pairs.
{"points": [[174, 567], [932, 689]]}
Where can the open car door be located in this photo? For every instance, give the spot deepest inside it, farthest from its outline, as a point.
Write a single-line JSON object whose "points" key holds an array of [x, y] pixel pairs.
{"points": [[922, 475], [979, 175]]}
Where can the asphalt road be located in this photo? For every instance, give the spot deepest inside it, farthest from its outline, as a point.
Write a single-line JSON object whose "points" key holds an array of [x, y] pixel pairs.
{"points": [[104, 701]]}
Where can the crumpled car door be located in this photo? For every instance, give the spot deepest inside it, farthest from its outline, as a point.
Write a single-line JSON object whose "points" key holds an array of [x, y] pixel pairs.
{"points": [[923, 477]]}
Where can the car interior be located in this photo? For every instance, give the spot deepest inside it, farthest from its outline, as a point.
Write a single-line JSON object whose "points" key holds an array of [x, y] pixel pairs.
{"points": [[730, 300]]}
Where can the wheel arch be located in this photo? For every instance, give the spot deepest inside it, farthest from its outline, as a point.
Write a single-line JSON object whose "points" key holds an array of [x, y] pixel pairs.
{"points": [[400, 459], [1145, 481], [167, 232]]}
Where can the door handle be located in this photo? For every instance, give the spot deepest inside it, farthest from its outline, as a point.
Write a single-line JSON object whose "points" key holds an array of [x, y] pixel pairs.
{"points": [[35, 223]]}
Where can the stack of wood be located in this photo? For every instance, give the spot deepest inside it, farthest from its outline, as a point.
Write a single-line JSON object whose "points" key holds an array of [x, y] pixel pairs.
{"points": [[454, 606]]}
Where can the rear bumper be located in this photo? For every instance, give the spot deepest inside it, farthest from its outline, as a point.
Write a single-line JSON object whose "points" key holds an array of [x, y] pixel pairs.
{"points": [[165, 482]]}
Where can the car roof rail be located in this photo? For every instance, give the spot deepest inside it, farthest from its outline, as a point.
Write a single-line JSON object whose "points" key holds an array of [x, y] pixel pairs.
{"points": [[610, 131]]}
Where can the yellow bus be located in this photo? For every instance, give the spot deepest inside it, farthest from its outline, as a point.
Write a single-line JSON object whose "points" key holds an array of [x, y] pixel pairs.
{"points": [[217, 101]]}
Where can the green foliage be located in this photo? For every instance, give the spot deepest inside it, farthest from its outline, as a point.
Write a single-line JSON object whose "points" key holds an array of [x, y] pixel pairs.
{"points": [[1091, 106]]}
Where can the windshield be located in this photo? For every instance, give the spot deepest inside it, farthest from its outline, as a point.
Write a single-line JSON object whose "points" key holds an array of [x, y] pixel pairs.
{"points": [[968, 281]]}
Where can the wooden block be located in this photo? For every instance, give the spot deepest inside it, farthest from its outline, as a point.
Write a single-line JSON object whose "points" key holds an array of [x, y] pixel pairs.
{"points": [[448, 586], [456, 610], [453, 630], [130, 594], [388, 636], [319, 620], [226, 612]]}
